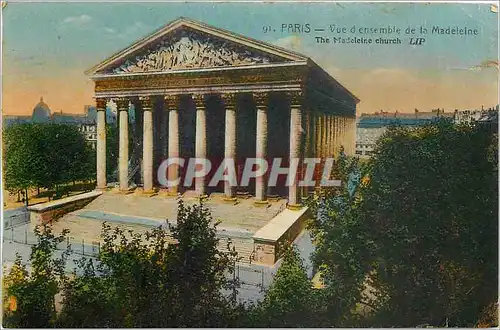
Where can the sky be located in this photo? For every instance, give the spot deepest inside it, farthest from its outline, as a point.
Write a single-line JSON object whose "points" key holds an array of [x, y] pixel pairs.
{"points": [[48, 46]]}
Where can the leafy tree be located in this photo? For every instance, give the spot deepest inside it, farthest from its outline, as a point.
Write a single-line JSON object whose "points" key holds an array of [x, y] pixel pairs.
{"points": [[24, 166], [291, 300], [67, 156], [199, 269], [34, 290], [154, 279], [45, 155], [431, 215], [342, 249]]}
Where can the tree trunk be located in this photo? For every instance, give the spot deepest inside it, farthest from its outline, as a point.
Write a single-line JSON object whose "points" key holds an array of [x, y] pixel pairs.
{"points": [[38, 190], [26, 197]]}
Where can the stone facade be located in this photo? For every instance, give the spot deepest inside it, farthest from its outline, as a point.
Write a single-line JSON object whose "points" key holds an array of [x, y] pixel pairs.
{"points": [[189, 74]]}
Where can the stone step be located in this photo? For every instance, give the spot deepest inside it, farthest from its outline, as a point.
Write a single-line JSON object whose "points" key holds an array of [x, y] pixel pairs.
{"points": [[90, 229]]}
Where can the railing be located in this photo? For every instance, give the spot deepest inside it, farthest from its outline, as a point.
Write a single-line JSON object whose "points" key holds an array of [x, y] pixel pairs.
{"points": [[15, 218], [247, 283], [26, 236]]}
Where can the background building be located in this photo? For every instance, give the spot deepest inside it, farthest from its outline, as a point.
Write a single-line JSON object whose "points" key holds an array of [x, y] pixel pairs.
{"points": [[85, 122], [488, 117], [370, 127]]}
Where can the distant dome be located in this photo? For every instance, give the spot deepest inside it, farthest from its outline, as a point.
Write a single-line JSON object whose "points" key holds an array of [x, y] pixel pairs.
{"points": [[41, 112]]}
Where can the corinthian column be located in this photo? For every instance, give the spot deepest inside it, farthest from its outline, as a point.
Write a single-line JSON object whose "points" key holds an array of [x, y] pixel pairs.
{"points": [[330, 135], [229, 140], [201, 139], [261, 100], [349, 136], [342, 133], [147, 151], [318, 135], [123, 106], [332, 141], [337, 134], [335, 137], [295, 147], [325, 135], [101, 143], [172, 104]]}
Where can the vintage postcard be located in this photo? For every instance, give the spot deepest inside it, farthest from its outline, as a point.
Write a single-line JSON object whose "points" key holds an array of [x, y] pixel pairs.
{"points": [[249, 164]]}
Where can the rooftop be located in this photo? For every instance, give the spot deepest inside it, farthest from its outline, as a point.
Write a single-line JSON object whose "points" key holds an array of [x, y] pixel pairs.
{"points": [[417, 118]]}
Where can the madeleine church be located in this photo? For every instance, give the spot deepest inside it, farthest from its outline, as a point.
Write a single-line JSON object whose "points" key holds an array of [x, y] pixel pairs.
{"points": [[200, 91]]}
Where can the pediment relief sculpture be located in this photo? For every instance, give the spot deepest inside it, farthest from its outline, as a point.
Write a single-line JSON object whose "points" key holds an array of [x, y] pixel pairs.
{"points": [[188, 50]]}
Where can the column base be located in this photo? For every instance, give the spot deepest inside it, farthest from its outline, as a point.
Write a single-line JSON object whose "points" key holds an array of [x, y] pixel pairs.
{"points": [[230, 200], [273, 198], [243, 194], [125, 191], [149, 193], [261, 203], [168, 193], [172, 193], [294, 207]]}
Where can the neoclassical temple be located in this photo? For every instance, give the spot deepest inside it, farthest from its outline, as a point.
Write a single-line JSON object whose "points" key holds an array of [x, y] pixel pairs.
{"points": [[200, 91]]}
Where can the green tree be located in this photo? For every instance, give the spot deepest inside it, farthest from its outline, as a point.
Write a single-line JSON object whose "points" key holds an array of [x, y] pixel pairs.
{"points": [[431, 215], [156, 279], [342, 246], [45, 155], [291, 300], [24, 166], [66, 155], [34, 289], [198, 270]]}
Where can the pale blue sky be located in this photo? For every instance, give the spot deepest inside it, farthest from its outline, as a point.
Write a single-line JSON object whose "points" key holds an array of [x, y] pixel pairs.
{"points": [[57, 42]]}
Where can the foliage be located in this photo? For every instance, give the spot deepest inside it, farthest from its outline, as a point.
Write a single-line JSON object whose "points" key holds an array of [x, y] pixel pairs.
{"points": [[199, 269], [410, 236], [488, 317], [342, 254], [154, 279], [431, 213], [23, 165], [34, 290], [291, 300], [45, 155]]}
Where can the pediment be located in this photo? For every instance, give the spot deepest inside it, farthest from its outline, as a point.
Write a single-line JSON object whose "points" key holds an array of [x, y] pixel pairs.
{"points": [[186, 44]]}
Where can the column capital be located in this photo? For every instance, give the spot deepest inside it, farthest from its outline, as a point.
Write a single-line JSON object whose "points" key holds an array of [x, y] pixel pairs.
{"points": [[101, 104], [172, 101], [146, 103], [261, 98], [229, 99], [296, 97], [199, 100], [122, 103]]}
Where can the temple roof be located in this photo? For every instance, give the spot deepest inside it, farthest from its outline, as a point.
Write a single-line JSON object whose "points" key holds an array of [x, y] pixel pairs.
{"points": [[189, 44]]}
